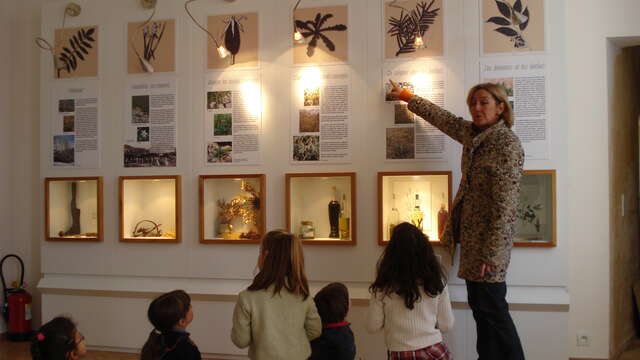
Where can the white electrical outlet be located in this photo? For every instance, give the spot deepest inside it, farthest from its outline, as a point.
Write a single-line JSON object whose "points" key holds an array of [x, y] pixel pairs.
{"points": [[583, 338]]}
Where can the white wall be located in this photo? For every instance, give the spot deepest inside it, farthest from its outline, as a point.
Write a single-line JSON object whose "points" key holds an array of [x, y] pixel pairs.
{"points": [[589, 24]]}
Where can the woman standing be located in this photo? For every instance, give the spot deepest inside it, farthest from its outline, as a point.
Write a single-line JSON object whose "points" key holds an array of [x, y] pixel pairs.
{"points": [[484, 210]]}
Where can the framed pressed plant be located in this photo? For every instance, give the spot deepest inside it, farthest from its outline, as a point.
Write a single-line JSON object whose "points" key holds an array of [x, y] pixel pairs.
{"points": [[232, 208], [150, 208], [536, 216], [321, 207], [422, 198], [73, 209]]}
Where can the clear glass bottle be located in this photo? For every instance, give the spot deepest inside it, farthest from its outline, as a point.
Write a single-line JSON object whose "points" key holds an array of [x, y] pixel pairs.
{"points": [[394, 216], [307, 231], [417, 216], [344, 219]]}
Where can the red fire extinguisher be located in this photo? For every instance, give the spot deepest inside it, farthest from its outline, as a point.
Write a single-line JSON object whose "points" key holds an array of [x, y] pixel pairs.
{"points": [[16, 309]]}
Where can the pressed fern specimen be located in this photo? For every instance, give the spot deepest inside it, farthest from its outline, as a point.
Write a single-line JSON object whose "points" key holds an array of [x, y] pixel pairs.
{"points": [[409, 24], [78, 46]]}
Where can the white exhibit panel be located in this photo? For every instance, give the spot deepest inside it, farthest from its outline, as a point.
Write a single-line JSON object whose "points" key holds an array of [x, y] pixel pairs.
{"points": [[150, 208], [73, 208], [320, 207], [420, 199], [232, 208]]}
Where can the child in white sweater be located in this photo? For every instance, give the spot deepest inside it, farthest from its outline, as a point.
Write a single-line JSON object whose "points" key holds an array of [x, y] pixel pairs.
{"points": [[410, 299]]}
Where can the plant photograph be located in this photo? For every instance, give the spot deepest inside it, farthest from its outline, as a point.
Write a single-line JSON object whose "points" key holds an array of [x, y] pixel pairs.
{"points": [[66, 105], [306, 148], [142, 134], [312, 96], [68, 123], [219, 100], [400, 143], [309, 120], [64, 149], [222, 124], [140, 109], [219, 152], [402, 114]]}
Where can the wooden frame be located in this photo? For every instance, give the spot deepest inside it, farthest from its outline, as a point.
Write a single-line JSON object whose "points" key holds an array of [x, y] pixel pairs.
{"points": [[551, 197], [263, 201], [353, 225], [178, 209], [99, 206], [382, 175]]}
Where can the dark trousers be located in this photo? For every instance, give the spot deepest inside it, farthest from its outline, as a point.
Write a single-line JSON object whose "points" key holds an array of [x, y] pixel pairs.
{"points": [[497, 335]]}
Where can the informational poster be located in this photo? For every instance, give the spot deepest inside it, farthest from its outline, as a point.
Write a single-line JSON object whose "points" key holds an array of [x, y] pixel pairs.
{"points": [[525, 81], [75, 126], [408, 136], [150, 123], [321, 114], [233, 117]]}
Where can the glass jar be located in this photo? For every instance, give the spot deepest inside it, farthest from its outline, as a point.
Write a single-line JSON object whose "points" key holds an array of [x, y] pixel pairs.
{"points": [[307, 231]]}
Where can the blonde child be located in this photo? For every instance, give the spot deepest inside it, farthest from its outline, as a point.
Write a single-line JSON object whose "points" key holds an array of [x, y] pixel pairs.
{"points": [[170, 314], [59, 339], [410, 299], [275, 316]]}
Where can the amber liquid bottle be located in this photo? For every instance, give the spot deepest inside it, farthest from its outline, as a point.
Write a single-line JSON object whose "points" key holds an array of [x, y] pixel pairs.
{"points": [[417, 216], [443, 216], [334, 216], [344, 219]]}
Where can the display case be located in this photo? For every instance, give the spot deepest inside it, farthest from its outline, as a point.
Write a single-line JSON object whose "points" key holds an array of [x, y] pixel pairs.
{"points": [[73, 209], [150, 209], [321, 207], [536, 216], [232, 208], [422, 198]]}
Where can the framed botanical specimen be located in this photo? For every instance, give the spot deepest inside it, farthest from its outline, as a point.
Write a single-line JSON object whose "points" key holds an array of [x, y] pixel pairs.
{"points": [[150, 208], [413, 28], [238, 35], [422, 198], [232, 208], [77, 52], [324, 33], [152, 46], [512, 26], [321, 207], [73, 209], [536, 216]]}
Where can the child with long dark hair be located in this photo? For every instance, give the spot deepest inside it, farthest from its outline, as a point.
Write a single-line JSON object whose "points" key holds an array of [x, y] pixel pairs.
{"points": [[275, 317], [59, 339], [170, 314], [410, 299]]}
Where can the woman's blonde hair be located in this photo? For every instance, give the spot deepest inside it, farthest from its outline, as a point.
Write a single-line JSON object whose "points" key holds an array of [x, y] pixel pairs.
{"points": [[499, 95], [281, 264]]}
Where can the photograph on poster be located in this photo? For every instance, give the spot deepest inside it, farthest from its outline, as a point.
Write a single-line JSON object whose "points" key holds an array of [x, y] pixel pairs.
{"points": [[136, 156], [151, 46], [306, 148], [401, 143], [402, 114], [77, 52], [219, 100], [238, 34], [312, 96], [222, 124], [512, 25], [535, 224], [140, 109], [67, 105], [64, 149], [325, 35], [309, 120], [405, 85], [220, 152], [143, 134], [68, 123], [413, 28]]}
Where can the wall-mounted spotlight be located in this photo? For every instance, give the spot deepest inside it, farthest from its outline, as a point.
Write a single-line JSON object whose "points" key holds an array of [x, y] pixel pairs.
{"points": [[71, 10], [222, 51]]}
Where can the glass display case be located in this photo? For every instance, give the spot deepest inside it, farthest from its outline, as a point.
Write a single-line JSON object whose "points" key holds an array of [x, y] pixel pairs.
{"points": [[232, 208], [150, 209], [73, 209], [422, 198], [536, 216], [321, 207]]}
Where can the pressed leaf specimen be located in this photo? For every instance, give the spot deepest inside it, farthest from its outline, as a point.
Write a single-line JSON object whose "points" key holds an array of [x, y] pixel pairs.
{"points": [[231, 35], [513, 22], [314, 29], [411, 24], [151, 36], [77, 48]]}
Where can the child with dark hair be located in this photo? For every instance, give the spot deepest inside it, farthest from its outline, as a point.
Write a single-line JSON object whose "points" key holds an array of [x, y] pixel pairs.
{"points": [[410, 299], [336, 341], [170, 314], [59, 339]]}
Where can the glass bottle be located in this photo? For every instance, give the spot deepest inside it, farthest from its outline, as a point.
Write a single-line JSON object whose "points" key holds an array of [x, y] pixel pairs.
{"points": [[334, 215], [307, 231], [394, 216], [344, 218], [443, 216], [417, 216]]}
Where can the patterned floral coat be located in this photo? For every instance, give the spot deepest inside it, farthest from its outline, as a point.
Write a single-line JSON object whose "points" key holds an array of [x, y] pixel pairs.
{"points": [[484, 210]]}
